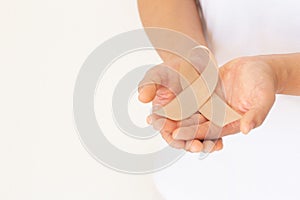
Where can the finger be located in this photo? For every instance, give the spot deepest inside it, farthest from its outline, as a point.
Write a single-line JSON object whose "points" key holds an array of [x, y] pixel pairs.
{"points": [[178, 144], [163, 97], [231, 128], [149, 120], [191, 132], [149, 84], [219, 145], [163, 124], [166, 127], [206, 130], [151, 77], [153, 117], [158, 76], [147, 93], [208, 146], [194, 146], [256, 115], [195, 119], [252, 119]]}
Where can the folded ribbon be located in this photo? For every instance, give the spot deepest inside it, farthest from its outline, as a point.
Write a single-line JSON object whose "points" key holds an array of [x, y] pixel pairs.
{"points": [[199, 80]]}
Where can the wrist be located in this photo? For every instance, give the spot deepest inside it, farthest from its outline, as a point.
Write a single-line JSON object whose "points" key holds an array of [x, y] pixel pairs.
{"points": [[280, 71]]}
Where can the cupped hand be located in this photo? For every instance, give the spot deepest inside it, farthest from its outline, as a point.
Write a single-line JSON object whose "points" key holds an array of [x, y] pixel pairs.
{"points": [[249, 85], [159, 86]]}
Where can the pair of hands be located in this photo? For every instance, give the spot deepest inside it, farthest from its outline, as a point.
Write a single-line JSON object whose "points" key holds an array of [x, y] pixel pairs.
{"points": [[249, 85]]}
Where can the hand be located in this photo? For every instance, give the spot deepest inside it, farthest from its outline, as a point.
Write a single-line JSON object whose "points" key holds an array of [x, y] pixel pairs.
{"points": [[250, 85], [160, 85]]}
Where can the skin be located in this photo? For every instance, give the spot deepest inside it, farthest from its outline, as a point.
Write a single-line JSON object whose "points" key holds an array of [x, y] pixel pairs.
{"points": [[174, 15], [250, 83], [171, 14]]}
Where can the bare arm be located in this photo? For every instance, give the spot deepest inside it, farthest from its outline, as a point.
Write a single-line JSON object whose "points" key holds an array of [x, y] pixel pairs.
{"points": [[287, 68], [178, 15]]}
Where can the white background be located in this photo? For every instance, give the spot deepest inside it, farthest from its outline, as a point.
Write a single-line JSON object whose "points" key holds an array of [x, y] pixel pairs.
{"points": [[42, 47]]}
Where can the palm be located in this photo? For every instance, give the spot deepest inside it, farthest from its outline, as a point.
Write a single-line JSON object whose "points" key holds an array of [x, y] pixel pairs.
{"points": [[160, 85], [248, 86]]}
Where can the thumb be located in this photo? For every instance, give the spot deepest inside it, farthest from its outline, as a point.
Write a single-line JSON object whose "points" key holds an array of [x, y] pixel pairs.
{"points": [[252, 119], [149, 84], [159, 76], [147, 93]]}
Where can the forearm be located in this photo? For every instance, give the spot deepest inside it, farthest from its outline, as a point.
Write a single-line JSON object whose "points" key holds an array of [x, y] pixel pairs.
{"points": [[287, 69], [178, 15]]}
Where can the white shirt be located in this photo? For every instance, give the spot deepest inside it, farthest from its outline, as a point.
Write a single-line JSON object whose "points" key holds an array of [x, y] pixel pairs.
{"points": [[266, 163]]}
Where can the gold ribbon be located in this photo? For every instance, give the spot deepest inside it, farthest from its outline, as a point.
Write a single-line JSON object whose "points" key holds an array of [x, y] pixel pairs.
{"points": [[199, 80]]}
